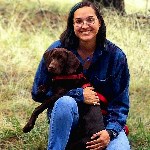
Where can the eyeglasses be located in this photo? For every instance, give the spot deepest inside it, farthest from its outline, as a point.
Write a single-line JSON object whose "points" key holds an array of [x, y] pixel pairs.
{"points": [[78, 22]]}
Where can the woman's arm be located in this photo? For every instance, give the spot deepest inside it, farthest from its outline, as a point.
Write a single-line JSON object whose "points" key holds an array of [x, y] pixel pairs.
{"points": [[118, 107], [41, 79]]}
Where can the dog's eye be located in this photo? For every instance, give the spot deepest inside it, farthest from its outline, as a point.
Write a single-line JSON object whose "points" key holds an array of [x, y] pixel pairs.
{"points": [[56, 56], [62, 56], [59, 57]]}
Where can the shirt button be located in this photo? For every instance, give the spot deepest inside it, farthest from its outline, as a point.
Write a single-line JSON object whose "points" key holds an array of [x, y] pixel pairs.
{"points": [[71, 93], [78, 93]]}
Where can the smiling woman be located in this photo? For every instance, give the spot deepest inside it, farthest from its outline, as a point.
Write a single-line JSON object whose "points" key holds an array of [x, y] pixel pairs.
{"points": [[86, 27], [106, 69]]}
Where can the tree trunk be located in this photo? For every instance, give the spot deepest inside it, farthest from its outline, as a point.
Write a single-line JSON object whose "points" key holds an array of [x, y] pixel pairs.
{"points": [[117, 4]]}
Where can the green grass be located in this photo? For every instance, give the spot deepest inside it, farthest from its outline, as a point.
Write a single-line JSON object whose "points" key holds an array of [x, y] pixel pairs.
{"points": [[23, 40]]}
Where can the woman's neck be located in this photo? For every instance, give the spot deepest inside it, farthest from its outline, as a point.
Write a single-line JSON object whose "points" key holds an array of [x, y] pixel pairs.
{"points": [[87, 48]]}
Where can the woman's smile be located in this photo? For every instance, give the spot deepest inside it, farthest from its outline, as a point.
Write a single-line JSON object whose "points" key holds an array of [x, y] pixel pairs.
{"points": [[86, 32]]}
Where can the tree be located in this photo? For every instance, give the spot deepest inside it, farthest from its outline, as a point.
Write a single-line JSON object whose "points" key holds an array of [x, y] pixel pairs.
{"points": [[118, 5]]}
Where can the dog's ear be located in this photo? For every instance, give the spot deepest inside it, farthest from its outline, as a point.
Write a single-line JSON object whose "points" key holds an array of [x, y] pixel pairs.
{"points": [[72, 63], [47, 56]]}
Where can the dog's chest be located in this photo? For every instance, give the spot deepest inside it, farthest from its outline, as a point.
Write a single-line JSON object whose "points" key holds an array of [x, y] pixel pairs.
{"points": [[67, 84]]}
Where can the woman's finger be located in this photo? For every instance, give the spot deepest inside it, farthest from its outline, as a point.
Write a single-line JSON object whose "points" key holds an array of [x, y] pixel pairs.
{"points": [[96, 103], [94, 146]]}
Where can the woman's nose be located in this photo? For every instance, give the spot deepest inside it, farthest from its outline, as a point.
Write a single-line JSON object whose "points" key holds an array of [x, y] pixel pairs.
{"points": [[84, 24]]}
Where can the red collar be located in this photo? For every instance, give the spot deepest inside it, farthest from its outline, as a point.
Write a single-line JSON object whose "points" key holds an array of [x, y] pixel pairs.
{"points": [[73, 76]]}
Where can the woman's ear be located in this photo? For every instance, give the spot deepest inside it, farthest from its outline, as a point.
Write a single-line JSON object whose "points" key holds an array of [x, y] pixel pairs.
{"points": [[99, 23]]}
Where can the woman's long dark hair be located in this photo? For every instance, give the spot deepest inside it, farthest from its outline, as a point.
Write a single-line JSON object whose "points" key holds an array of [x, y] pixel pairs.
{"points": [[68, 37]]}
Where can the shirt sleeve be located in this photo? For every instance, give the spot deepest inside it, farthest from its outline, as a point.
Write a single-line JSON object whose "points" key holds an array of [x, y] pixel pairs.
{"points": [[77, 94], [41, 78], [118, 107]]}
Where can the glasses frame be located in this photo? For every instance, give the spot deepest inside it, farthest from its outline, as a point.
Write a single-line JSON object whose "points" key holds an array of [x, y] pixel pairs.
{"points": [[89, 21]]}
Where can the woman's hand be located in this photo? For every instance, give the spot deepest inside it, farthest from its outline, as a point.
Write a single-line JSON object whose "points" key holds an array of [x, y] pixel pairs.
{"points": [[99, 141], [90, 96]]}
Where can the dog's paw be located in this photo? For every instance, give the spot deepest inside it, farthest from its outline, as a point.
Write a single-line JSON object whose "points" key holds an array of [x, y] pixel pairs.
{"points": [[28, 127], [30, 124]]}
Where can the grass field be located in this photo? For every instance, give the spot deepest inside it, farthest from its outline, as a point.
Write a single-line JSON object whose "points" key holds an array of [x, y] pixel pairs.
{"points": [[25, 33]]}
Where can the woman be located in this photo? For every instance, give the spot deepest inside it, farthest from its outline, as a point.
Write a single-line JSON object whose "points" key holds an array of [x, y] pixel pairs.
{"points": [[105, 66]]}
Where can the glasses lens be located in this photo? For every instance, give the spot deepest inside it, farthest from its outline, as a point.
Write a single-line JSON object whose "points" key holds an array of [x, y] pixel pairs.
{"points": [[90, 21], [80, 22]]}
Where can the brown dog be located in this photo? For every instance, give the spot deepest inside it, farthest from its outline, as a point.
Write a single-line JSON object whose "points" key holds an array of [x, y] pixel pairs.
{"points": [[66, 72]]}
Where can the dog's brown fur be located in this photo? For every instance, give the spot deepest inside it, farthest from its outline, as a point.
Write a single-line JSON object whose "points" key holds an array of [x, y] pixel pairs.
{"points": [[60, 61]]}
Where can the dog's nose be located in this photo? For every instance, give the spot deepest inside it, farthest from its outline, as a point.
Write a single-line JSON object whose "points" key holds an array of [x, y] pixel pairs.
{"points": [[51, 68]]}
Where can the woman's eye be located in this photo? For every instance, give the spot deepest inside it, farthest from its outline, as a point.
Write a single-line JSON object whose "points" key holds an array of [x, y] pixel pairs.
{"points": [[78, 21], [90, 20]]}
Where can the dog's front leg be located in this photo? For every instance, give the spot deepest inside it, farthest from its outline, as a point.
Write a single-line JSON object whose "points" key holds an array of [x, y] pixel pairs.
{"points": [[46, 104]]}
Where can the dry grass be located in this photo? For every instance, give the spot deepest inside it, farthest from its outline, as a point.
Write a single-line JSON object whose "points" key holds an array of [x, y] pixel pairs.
{"points": [[21, 50]]}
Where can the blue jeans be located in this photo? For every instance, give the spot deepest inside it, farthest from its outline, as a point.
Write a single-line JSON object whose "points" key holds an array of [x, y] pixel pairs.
{"points": [[64, 117]]}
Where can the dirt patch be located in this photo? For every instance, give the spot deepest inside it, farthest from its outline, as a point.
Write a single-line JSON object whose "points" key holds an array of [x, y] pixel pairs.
{"points": [[45, 18], [7, 141], [29, 20]]}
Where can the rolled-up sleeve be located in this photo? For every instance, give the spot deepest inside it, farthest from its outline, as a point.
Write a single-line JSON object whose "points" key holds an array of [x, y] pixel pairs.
{"points": [[77, 94]]}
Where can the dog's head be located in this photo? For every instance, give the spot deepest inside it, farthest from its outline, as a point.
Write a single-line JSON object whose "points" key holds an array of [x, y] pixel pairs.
{"points": [[61, 61]]}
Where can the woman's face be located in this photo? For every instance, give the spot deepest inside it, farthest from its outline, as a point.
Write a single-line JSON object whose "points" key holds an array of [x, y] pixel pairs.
{"points": [[86, 24]]}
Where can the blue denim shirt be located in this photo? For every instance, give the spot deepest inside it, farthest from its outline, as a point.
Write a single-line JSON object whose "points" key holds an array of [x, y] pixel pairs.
{"points": [[108, 73]]}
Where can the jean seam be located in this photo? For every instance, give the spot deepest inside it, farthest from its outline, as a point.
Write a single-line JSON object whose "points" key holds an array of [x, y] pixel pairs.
{"points": [[51, 128]]}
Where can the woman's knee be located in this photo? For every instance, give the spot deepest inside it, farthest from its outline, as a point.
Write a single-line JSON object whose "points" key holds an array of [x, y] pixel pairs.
{"points": [[66, 104], [63, 107], [66, 101], [120, 143]]}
